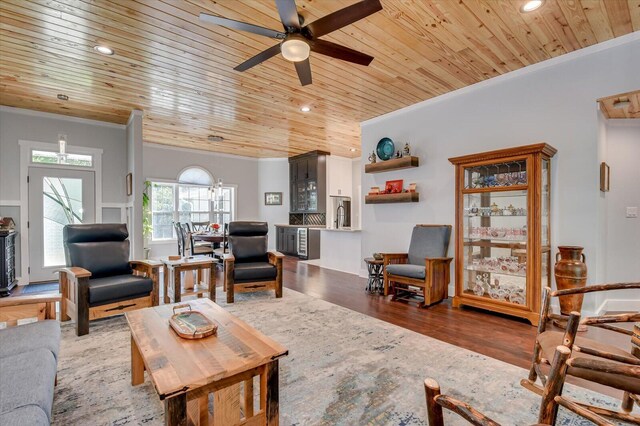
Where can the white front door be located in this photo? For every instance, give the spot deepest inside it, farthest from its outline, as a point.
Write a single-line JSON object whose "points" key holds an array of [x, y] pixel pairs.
{"points": [[57, 197]]}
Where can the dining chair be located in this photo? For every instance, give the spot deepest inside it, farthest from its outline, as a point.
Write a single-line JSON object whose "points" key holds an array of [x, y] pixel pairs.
{"points": [[195, 249], [179, 238]]}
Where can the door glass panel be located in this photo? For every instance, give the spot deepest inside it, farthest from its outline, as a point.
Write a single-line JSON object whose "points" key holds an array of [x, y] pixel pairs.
{"points": [[62, 205]]}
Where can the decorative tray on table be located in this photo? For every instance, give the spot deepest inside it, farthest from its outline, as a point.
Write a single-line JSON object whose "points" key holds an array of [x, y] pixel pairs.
{"points": [[191, 324]]}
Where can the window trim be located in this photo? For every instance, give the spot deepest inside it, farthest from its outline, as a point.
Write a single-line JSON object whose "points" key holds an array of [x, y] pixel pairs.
{"points": [[176, 200], [63, 165]]}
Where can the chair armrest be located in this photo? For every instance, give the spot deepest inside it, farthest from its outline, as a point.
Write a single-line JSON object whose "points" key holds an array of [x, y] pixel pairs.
{"points": [[596, 288], [275, 256], [29, 299], [438, 259], [147, 262], [228, 257], [75, 272]]}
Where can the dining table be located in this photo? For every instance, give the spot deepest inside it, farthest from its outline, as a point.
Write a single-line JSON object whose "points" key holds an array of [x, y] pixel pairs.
{"points": [[210, 237]]}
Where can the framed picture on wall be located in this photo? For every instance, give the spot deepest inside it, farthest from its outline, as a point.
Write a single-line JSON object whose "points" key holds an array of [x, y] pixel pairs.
{"points": [[129, 180], [273, 198], [604, 177]]}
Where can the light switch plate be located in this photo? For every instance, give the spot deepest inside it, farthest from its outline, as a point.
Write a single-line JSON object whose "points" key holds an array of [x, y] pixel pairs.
{"points": [[632, 212]]}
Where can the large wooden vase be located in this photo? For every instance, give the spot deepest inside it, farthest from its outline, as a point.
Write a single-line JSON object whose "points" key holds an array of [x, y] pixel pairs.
{"points": [[571, 272]]}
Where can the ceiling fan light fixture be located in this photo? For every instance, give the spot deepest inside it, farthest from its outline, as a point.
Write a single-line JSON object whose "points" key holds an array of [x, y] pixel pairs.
{"points": [[295, 49], [531, 5]]}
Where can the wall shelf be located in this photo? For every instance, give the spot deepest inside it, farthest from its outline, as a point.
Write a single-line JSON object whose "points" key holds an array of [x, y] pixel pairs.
{"points": [[394, 164], [403, 197]]}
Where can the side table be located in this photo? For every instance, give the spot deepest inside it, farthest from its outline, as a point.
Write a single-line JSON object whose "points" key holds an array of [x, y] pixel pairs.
{"points": [[375, 281], [174, 268]]}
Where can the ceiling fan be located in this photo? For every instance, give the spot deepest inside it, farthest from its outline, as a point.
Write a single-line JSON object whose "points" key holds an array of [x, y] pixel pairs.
{"points": [[298, 40]]}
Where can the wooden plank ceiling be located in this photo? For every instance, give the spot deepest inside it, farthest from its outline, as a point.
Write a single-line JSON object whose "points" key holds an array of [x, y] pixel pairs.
{"points": [[179, 71], [623, 110]]}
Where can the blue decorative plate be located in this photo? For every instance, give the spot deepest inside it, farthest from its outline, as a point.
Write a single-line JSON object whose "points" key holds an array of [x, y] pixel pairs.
{"points": [[385, 149]]}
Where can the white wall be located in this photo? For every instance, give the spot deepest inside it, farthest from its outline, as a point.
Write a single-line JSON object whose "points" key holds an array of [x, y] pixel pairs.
{"points": [[622, 249], [554, 102], [273, 176], [166, 163], [19, 124]]}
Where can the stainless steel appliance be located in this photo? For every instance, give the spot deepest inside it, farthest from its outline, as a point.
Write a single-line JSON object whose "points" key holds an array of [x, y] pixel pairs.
{"points": [[303, 239]]}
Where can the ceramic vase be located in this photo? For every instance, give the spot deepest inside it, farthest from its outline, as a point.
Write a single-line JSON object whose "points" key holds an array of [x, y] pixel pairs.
{"points": [[571, 272]]}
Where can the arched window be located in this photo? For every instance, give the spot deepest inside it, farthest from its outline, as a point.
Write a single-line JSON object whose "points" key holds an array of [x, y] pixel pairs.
{"points": [[195, 176]]}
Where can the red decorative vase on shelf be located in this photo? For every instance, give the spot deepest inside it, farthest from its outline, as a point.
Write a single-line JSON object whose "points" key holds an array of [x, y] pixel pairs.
{"points": [[571, 272]]}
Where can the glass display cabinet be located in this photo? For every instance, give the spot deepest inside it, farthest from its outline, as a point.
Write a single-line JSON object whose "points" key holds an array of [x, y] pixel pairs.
{"points": [[502, 229]]}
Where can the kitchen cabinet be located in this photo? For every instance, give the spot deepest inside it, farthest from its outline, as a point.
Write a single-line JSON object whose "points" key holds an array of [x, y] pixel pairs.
{"points": [[287, 240], [307, 178]]}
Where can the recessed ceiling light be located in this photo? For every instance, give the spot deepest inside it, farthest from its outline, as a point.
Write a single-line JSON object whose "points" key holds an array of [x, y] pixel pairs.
{"points": [[531, 5], [215, 138], [621, 103], [62, 97], [103, 50], [305, 109], [352, 150]]}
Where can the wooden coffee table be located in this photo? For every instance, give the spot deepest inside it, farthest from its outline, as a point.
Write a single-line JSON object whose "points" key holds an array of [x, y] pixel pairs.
{"points": [[184, 372]]}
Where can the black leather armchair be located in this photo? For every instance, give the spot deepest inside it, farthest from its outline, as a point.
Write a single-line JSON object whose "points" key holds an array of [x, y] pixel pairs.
{"points": [[99, 280], [250, 266]]}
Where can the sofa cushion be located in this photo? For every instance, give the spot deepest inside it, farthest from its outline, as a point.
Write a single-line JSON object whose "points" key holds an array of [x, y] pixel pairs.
{"points": [[254, 271], [31, 415], [27, 379], [27, 337], [407, 270], [119, 287]]}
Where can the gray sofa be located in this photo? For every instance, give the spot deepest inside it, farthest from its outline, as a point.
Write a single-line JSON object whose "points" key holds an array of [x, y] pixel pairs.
{"points": [[28, 362]]}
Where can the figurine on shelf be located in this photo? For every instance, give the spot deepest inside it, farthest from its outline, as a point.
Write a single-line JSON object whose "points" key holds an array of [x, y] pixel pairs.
{"points": [[372, 158], [406, 152], [398, 154]]}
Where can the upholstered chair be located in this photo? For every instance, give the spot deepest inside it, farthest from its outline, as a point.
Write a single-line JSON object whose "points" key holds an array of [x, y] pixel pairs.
{"points": [[250, 266], [425, 267], [99, 280]]}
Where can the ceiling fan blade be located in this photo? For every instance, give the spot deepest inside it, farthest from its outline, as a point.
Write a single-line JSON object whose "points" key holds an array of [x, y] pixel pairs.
{"points": [[241, 26], [304, 71], [343, 17], [260, 57], [337, 51], [288, 14]]}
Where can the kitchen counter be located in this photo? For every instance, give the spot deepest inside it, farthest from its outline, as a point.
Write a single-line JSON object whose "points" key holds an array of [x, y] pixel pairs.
{"points": [[340, 250]]}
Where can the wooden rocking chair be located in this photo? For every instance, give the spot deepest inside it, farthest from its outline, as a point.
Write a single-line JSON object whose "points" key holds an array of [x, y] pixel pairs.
{"points": [[588, 359], [436, 401]]}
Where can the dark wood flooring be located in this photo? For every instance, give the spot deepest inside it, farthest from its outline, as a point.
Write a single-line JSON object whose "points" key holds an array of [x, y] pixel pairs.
{"points": [[497, 336]]}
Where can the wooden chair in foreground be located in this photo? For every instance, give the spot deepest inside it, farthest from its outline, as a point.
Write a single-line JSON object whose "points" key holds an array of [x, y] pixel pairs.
{"points": [[99, 280], [436, 401], [250, 266], [595, 361], [424, 267]]}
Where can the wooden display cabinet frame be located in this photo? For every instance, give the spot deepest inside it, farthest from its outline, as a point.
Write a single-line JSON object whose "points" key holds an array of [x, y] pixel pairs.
{"points": [[534, 156]]}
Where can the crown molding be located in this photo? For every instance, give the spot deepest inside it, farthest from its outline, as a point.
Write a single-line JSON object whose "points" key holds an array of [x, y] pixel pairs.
{"points": [[567, 57], [53, 116]]}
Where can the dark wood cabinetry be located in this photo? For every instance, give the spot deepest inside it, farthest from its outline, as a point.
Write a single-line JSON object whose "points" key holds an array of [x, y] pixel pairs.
{"points": [[287, 240], [7, 262], [308, 181]]}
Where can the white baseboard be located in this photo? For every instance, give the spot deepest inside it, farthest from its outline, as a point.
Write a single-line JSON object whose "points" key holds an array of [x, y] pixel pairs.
{"points": [[619, 305]]}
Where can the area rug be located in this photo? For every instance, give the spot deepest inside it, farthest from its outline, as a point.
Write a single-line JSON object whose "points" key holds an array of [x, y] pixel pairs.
{"points": [[343, 368]]}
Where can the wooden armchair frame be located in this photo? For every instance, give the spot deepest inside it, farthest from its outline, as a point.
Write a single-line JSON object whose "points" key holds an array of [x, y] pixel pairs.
{"points": [[275, 258], [74, 286], [435, 286], [39, 306], [436, 401], [617, 364]]}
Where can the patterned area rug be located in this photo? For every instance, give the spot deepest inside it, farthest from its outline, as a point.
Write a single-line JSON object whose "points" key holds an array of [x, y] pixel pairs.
{"points": [[343, 368]]}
